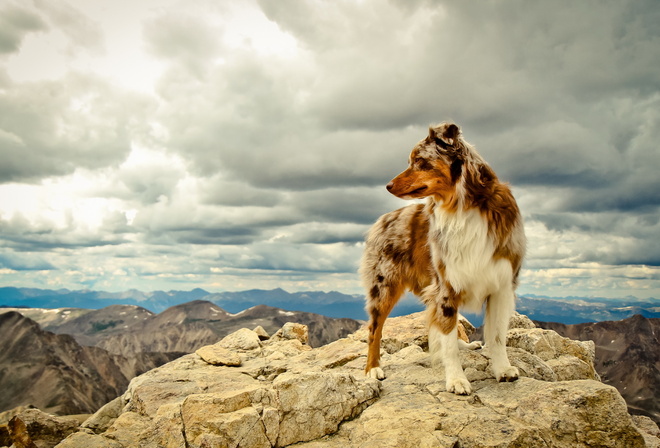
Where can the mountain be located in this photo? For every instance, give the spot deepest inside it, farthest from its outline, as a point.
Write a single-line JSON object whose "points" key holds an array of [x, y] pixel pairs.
{"points": [[129, 329], [155, 301], [81, 359], [91, 326], [627, 357], [282, 393], [322, 329], [56, 374], [567, 310], [331, 304], [575, 310]]}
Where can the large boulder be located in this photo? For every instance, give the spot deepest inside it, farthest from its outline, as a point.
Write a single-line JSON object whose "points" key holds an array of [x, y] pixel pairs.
{"points": [[285, 393]]}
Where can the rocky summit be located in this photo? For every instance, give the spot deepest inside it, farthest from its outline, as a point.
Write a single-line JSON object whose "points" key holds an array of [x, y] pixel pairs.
{"points": [[248, 391]]}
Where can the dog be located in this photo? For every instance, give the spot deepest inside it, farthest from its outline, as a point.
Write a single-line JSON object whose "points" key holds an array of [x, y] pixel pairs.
{"points": [[462, 248]]}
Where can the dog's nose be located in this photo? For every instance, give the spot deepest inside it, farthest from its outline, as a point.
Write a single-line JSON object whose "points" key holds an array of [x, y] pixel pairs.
{"points": [[390, 186]]}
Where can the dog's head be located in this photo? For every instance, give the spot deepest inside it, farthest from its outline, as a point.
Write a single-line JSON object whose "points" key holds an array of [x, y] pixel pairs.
{"points": [[435, 166]]}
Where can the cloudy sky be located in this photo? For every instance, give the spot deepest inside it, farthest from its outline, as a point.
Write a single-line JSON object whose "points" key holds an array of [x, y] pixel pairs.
{"points": [[160, 144]]}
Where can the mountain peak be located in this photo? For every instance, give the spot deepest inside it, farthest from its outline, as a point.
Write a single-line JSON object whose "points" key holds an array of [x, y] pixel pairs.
{"points": [[274, 393]]}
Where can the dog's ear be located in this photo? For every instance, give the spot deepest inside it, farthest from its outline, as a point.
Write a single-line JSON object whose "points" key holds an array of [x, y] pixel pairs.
{"points": [[433, 136], [444, 135], [451, 133]]}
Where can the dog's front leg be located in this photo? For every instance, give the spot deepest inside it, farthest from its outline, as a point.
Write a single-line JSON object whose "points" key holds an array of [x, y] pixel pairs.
{"points": [[444, 347], [443, 342]]}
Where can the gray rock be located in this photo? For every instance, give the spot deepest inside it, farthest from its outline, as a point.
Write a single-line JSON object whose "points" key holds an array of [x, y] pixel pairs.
{"points": [[217, 355], [649, 430], [242, 340], [292, 331], [520, 321], [33, 428], [285, 393], [263, 334], [101, 420], [86, 440]]}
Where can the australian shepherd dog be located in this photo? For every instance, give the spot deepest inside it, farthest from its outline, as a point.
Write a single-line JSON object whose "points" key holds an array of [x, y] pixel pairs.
{"points": [[462, 248]]}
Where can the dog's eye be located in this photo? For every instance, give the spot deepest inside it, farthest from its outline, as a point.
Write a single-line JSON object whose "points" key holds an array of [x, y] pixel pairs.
{"points": [[422, 164]]}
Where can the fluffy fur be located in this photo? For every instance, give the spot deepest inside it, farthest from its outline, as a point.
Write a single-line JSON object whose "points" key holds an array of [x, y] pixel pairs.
{"points": [[463, 248]]}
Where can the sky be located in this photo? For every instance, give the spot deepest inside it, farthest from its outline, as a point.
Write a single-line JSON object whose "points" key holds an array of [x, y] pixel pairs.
{"points": [[162, 144]]}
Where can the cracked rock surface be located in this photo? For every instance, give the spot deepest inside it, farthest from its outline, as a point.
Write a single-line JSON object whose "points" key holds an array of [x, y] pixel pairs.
{"points": [[283, 393]]}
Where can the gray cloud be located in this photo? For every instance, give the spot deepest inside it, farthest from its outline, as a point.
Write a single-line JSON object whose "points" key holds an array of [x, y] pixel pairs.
{"points": [[21, 235], [238, 193], [16, 22], [81, 31], [24, 262], [274, 164], [52, 127], [188, 39]]}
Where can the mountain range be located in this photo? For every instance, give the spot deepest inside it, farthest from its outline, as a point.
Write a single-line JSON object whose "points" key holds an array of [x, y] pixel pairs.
{"points": [[72, 360], [129, 329], [567, 310], [69, 359], [56, 374]]}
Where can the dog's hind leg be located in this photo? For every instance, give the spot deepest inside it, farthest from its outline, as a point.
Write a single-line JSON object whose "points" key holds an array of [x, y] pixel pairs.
{"points": [[380, 301], [499, 309]]}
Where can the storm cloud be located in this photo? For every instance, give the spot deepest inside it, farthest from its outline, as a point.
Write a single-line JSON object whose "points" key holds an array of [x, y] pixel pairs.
{"points": [[258, 155]]}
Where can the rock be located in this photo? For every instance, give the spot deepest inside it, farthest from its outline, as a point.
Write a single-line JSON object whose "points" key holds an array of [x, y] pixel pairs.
{"points": [[547, 344], [101, 420], [285, 393], [568, 367], [291, 331], [33, 428], [217, 355], [462, 334], [282, 349], [647, 424], [8, 415], [83, 439], [520, 321], [530, 365], [466, 325], [399, 332], [314, 404], [242, 340], [558, 411], [263, 334], [649, 430], [569, 359]]}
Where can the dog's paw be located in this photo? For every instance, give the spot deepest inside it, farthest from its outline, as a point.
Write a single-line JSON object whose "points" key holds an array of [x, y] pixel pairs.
{"points": [[469, 345], [459, 386], [376, 373], [508, 374]]}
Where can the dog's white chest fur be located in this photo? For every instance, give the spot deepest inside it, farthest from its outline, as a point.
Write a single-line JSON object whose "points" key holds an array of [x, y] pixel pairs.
{"points": [[461, 241]]}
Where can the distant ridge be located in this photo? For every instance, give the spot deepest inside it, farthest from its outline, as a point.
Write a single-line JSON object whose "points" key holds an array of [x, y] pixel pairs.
{"points": [[56, 374], [331, 304], [72, 360], [129, 329], [567, 310]]}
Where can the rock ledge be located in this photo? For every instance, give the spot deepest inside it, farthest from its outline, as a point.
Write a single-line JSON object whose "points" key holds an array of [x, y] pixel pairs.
{"points": [[277, 392]]}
